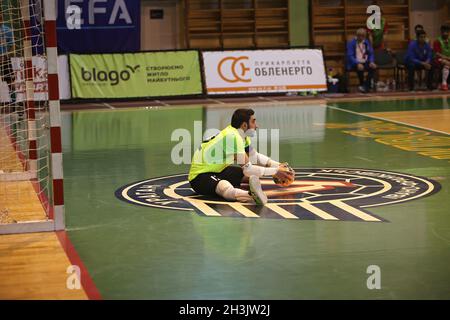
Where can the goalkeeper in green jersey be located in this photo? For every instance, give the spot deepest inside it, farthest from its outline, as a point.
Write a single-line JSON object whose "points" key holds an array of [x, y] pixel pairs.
{"points": [[226, 160]]}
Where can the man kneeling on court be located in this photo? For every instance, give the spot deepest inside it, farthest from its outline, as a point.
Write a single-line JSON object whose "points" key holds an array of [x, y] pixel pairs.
{"points": [[225, 160]]}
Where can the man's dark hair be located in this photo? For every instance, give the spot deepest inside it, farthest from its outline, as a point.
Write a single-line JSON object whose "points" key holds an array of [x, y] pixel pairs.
{"points": [[445, 28], [418, 26], [241, 115], [419, 33]]}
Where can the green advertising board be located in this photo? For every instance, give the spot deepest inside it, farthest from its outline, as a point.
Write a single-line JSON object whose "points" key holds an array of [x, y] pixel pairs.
{"points": [[132, 75]]}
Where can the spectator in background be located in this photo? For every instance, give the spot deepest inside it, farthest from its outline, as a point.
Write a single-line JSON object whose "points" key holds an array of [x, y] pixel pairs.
{"points": [[418, 57], [418, 28], [441, 49], [360, 58], [377, 36], [6, 48]]}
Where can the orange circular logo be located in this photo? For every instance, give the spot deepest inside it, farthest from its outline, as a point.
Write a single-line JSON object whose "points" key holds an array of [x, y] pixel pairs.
{"points": [[237, 68]]}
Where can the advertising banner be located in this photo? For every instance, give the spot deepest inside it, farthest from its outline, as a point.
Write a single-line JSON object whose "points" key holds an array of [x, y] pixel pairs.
{"points": [[98, 26], [63, 77], [264, 71], [131, 75], [39, 79]]}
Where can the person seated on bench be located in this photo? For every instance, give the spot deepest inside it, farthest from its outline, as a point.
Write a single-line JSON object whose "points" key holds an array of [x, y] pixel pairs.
{"points": [[418, 57], [360, 58], [441, 49]]}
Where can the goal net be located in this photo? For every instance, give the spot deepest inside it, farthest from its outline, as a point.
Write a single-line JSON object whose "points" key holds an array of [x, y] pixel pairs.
{"points": [[26, 193]]}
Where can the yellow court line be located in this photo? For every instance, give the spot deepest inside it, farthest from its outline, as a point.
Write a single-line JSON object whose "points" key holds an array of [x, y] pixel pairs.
{"points": [[319, 212], [203, 207], [282, 212], [428, 119], [358, 213], [243, 210]]}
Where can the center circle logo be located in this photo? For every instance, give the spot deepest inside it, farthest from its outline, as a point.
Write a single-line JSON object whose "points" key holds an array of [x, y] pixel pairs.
{"points": [[339, 194]]}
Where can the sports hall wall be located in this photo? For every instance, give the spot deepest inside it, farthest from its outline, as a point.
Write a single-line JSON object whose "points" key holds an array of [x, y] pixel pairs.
{"points": [[221, 24]]}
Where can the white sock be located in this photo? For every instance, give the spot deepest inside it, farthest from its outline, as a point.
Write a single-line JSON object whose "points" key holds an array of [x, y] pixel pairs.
{"points": [[243, 196], [445, 72], [226, 190]]}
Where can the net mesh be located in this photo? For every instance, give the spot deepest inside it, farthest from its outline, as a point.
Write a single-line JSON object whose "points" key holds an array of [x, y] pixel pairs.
{"points": [[24, 118]]}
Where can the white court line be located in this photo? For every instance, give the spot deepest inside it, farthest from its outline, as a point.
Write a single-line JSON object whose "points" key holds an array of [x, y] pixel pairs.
{"points": [[163, 103], [388, 120], [268, 99], [107, 105], [365, 159], [216, 101]]}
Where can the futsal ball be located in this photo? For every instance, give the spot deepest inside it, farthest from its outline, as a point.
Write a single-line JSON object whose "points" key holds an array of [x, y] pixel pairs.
{"points": [[283, 181]]}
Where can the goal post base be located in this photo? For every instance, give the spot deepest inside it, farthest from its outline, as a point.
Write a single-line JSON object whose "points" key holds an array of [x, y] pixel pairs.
{"points": [[30, 227], [17, 176]]}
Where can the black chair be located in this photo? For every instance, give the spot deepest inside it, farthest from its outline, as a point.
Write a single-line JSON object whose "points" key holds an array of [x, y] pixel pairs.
{"points": [[384, 61], [400, 70]]}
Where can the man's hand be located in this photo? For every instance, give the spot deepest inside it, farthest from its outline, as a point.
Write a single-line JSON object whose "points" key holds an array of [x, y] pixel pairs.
{"points": [[446, 62], [360, 67], [284, 176], [372, 65], [426, 65]]}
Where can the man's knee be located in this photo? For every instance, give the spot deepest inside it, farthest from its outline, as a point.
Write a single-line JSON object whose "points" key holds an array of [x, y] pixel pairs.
{"points": [[226, 190]]}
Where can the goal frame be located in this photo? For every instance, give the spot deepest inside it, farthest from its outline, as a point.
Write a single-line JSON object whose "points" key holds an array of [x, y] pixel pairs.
{"points": [[55, 214]]}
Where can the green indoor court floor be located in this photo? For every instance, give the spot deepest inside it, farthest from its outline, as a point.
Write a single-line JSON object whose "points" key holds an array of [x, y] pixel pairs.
{"points": [[146, 252]]}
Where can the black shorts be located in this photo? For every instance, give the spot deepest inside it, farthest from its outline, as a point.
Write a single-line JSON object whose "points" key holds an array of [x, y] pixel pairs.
{"points": [[206, 183]]}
